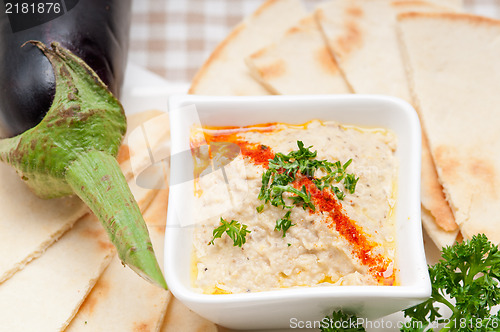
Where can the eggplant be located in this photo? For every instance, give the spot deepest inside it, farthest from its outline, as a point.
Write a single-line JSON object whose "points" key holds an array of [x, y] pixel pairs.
{"points": [[68, 124], [94, 30]]}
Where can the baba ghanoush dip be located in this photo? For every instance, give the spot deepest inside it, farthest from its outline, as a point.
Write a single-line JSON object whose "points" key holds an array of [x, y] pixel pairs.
{"points": [[279, 206]]}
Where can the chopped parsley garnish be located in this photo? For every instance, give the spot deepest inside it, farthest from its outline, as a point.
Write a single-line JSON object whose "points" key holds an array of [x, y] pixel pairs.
{"points": [[236, 231], [283, 170], [469, 273], [284, 223], [278, 179]]}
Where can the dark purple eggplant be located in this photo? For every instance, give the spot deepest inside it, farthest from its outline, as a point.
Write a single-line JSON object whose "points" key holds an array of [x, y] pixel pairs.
{"points": [[94, 30], [68, 125]]}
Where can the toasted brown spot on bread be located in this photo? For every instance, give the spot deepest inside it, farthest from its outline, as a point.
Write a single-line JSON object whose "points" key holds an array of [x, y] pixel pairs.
{"points": [[446, 161], [474, 19], [306, 24], [294, 29], [123, 154], [100, 236], [483, 172], [259, 53], [99, 292], [410, 3], [349, 40], [459, 165], [326, 60], [273, 70], [142, 327], [354, 11], [320, 14]]}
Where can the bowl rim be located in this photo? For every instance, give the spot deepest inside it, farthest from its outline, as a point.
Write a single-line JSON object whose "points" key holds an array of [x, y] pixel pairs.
{"points": [[420, 290]]}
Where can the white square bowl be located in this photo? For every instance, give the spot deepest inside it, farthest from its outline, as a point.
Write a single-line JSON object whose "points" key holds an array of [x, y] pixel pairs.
{"points": [[281, 308]]}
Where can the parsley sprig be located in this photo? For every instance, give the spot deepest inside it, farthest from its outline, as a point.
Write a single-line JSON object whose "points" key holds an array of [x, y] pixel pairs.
{"points": [[236, 231], [469, 274], [283, 170]]}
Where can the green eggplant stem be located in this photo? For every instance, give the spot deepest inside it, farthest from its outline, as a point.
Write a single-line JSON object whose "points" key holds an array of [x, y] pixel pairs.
{"points": [[97, 179], [73, 151]]}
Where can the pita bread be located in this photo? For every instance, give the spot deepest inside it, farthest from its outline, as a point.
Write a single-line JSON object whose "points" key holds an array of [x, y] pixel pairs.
{"points": [[298, 63], [47, 220], [453, 5], [181, 318], [142, 306], [45, 295], [432, 195], [357, 39], [452, 60], [147, 132], [225, 73], [28, 224], [440, 237], [149, 145], [361, 34], [133, 121]]}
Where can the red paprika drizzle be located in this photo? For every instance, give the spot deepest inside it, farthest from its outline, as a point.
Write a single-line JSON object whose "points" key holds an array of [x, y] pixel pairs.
{"points": [[324, 200]]}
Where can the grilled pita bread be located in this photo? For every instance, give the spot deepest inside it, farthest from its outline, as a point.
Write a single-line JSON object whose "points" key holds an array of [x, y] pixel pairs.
{"points": [[225, 73], [432, 195], [452, 60], [439, 236], [47, 220], [28, 224], [446, 5], [134, 122], [46, 294], [299, 63], [361, 34], [369, 27], [181, 318], [456, 5]]}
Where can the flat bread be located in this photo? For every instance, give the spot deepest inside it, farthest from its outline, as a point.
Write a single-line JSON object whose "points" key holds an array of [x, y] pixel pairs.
{"points": [[298, 63], [28, 224], [147, 132], [366, 28], [134, 121], [456, 5], [46, 294], [181, 318], [455, 75], [42, 222], [225, 73], [149, 150], [142, 306], [432, 196], [362, 36], [439, 236]]}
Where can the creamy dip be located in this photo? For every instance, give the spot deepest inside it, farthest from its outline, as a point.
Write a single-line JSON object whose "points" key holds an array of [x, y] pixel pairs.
{"points": [[352, 243]]}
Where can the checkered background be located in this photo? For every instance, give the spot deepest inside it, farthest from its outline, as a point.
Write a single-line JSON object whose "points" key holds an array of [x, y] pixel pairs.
{"points": [[172, 38]]}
